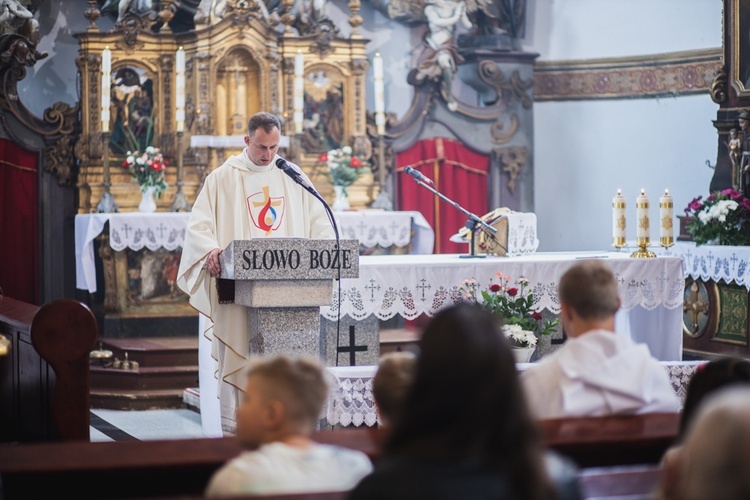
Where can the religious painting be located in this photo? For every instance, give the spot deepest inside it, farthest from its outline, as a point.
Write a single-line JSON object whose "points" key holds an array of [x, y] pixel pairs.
{"points": [[740, 73], [132, 110], [152, 276], [323, 125]]}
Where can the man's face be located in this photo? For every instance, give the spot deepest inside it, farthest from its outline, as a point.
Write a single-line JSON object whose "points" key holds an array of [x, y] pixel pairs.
{"points": [[262, 146], [744, 123]]}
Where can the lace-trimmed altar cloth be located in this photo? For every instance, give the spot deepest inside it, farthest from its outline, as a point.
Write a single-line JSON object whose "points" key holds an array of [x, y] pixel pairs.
{"points": [[350, 401], [387, 228], [411, 285], [134, 230], [714, 262]]}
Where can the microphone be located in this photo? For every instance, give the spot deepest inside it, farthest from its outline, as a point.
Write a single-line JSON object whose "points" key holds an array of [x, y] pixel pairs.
{"points": [[417, 175], [293, 173]]}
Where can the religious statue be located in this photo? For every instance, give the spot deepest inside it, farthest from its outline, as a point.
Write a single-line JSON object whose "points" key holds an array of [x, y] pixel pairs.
{"points": [[734, 145], [744, 170], [440, 58], [122, 7]]}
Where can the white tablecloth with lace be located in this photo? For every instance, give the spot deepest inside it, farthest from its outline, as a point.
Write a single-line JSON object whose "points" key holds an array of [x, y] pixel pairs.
{"points": [[714, 262], [410, 285], [351, 402], [387, 228], [134, 230]]}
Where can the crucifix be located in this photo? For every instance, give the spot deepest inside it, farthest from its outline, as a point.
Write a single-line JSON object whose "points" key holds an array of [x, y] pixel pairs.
{"points": [[351, 349]]}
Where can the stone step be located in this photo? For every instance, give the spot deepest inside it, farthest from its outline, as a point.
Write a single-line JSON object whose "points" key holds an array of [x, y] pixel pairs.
{"points": [[165, 367], [166, 351], [127, 400], [144, 378]]}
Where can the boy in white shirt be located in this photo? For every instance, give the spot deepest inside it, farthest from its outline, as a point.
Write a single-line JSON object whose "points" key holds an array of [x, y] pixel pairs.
{"points": [[596, 372], [283, 401]]}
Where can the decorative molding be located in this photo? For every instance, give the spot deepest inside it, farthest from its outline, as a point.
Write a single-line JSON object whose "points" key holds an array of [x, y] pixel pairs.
{"points": [[659, 75]]}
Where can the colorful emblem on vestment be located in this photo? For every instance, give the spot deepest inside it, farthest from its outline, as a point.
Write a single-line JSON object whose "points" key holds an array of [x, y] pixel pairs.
{"points": [[266, 211]]}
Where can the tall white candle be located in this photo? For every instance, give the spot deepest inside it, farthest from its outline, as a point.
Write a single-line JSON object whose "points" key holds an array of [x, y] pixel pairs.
{"points": [[180, 90], [106, 60], [641, 206], [106, 88], [299, 91], [619, 234], [377, 67], [666, 216]]}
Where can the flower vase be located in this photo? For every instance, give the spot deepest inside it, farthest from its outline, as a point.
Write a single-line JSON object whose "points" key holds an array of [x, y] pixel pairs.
{"points": [[523, 354], [147, 203], [341, 201]]}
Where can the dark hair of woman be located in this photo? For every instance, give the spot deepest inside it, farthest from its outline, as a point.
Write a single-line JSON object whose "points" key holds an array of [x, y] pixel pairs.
{"points": [[466, 402], [715, 374]]}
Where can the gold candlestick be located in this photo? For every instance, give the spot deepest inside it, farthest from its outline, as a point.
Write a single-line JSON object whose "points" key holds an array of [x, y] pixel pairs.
{"points": [[107, 203], [180, 202]]}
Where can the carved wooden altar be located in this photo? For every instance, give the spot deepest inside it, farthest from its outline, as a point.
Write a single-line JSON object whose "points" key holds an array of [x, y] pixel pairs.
{"points": [[238, 64]]}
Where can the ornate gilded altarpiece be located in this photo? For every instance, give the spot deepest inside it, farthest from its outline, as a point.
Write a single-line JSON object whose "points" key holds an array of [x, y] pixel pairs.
{"points": [[238, 61], [240, 64]]}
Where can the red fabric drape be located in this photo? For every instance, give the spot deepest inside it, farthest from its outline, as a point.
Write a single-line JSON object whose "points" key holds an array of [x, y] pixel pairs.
{"points": [[19, 270], [458, 173]]}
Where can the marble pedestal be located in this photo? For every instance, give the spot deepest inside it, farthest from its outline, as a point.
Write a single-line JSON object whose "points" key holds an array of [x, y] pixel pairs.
{"points": [[283, 282]]}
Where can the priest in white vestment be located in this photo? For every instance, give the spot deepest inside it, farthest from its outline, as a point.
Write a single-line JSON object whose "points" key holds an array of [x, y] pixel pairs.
{"points": [[596, 372], [246, 197]]}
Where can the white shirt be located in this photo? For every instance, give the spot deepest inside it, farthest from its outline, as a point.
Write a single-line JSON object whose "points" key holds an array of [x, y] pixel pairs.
{"points": [[280, 468], [595, 374]]}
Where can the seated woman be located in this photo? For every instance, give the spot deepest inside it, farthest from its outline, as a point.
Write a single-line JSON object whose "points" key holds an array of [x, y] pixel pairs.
{"points": [[464, 430]]}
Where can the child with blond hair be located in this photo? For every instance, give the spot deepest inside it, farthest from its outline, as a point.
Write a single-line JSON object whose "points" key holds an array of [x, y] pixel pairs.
{"points": [[283, 401]]}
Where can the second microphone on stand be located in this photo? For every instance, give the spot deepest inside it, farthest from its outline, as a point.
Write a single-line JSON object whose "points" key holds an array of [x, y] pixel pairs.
{"points": [[419, 176]]}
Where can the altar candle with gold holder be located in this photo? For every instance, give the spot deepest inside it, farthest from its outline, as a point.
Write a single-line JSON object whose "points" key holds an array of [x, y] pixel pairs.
{"points": [[666, 217], [618, 220], [299, 90], [377, 67], [180, 90], [641, 207], [106, 87]]}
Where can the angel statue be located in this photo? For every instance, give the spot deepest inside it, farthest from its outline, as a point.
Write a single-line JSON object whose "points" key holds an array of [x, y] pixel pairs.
{"points": [[438, 61]]}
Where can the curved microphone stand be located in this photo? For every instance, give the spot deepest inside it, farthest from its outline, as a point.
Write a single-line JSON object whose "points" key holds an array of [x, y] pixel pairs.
{"points": [[472, 222]]}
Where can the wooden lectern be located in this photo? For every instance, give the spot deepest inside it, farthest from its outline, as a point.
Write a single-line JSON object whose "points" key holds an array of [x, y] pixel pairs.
{"points": [[283, 282]]}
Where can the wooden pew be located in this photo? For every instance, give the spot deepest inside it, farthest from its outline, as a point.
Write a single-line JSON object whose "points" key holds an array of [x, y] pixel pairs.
{"points": [[44, 378], [612, 440], [131, 469], [138, 469], [631, 482]]}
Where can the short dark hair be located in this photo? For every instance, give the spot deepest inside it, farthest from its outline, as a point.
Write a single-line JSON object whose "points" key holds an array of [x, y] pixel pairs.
{"points": [[263, 120], [392, 381], [590, 288]]}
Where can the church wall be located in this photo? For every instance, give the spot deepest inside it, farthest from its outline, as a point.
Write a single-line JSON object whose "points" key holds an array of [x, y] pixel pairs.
{"points": [[585, 150]]}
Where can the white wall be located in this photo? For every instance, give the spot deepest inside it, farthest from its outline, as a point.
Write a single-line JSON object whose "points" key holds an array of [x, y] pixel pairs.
{"points": [[585, 150], [584, 29]]}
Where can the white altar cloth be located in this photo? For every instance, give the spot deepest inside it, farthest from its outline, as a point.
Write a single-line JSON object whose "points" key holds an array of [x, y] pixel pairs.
{"points": [[350, 400], [714, 262], [134, 230], [386, 228]]}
